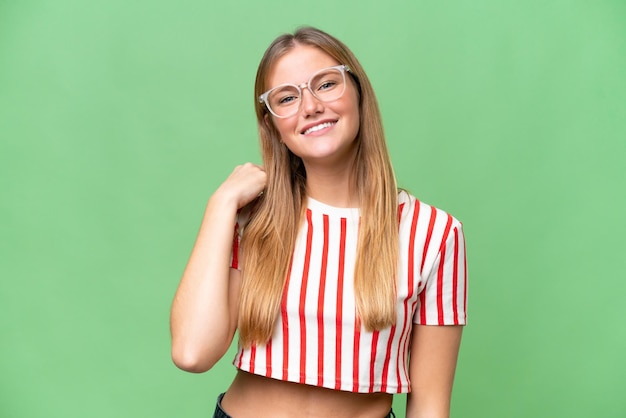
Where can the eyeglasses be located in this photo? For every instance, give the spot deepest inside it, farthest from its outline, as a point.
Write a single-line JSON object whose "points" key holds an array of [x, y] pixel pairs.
{"points": [[325, 85]]}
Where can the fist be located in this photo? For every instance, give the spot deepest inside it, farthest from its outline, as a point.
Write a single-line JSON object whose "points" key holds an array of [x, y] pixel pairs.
{"points": [[244, 184]]}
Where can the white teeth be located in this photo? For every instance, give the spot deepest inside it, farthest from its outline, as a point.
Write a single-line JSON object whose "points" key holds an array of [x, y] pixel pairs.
{"points": [[318, 127]]}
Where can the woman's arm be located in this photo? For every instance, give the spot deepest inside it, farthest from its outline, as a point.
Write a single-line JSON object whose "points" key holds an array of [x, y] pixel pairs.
{"points": [[434, 352], [204, 312]]}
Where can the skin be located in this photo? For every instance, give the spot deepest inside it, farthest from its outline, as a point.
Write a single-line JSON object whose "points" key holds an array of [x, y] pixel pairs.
{"points": [[328, 154], [434, 352], [204, 311]]}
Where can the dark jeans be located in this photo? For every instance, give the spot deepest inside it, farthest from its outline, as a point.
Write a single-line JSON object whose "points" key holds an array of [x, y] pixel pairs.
{"points": [[220, 413]]}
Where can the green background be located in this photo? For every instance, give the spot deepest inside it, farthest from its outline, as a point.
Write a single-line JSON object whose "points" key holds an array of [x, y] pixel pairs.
{"points": [[118, 119]]}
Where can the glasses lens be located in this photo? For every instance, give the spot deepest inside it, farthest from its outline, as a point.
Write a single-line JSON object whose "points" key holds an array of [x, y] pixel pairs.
{"points": [[284, 100], [328, 85]]}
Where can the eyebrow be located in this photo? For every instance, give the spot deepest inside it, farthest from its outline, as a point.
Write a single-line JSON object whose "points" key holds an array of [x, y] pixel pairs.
{"points": [[305, 81]]}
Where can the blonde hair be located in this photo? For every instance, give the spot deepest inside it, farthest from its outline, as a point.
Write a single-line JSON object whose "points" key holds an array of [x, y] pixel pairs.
{"points": [[269, 238]]}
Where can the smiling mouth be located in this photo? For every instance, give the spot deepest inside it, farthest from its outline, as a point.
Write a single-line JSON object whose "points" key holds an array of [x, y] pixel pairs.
{"points": [[318, 127]]}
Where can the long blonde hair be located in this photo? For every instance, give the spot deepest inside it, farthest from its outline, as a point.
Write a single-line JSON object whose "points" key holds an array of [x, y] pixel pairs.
{"points": [[269, 238]]}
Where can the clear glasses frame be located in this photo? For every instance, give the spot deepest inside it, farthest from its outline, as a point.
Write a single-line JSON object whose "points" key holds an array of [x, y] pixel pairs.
{"points": [[264, 97]]}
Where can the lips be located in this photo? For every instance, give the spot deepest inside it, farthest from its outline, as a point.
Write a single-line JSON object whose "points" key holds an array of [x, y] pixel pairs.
{"points": [[318, 126]]}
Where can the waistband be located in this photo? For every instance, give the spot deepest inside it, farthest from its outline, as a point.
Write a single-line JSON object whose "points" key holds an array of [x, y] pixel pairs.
{"points": [[220, 413]]}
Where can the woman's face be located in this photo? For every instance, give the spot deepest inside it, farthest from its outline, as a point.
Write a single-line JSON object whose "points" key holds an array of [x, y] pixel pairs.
{"points": [[320, 132]]}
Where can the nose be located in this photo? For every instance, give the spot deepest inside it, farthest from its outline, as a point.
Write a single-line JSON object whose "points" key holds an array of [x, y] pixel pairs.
{"points": [[310, 103]]}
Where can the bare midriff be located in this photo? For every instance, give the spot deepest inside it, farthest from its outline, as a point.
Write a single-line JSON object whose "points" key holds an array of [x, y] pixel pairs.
{"points": [[252, 396]]}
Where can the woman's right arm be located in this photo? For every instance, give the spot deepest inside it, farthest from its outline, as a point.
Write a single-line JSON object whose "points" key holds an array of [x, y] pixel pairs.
{"points": [[204, 312]]}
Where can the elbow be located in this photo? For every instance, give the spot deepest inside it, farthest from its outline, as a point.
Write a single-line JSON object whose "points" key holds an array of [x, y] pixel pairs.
{"points": [[191, 360], [198, 353]]}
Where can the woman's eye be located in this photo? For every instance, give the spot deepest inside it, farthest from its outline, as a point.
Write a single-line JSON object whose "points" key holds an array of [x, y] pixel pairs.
{"points": [[327, 85], [287, 100]]}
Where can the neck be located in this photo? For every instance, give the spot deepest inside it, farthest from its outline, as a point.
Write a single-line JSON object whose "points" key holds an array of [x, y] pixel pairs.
{"points": [[333, 185]]}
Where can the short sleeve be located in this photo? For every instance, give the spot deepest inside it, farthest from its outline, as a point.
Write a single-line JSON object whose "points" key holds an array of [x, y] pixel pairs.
{"points": [[241, 220], [443, 300], [234, 255]]}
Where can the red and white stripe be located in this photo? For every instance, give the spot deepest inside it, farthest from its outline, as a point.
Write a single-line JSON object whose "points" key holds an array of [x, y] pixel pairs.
{"points": [[318, 340]]}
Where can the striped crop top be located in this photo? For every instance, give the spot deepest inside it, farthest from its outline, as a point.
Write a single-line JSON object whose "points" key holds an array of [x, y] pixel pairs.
{"points": [[318, 339]]}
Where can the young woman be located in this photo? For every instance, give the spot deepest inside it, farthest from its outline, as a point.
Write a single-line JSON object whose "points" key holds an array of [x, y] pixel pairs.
{"points": [[344, 291]]}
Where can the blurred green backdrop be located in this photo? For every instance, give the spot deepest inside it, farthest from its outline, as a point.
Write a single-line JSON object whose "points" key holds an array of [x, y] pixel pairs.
{"points": [[118, 119]]}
